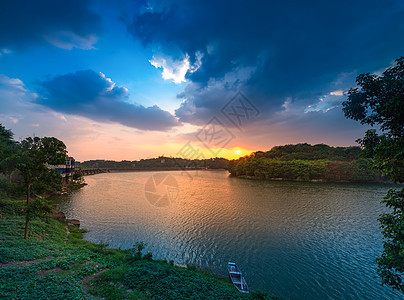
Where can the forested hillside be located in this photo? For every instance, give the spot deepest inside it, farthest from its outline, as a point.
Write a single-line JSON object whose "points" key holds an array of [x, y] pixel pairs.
{"points": [[305, 162]]}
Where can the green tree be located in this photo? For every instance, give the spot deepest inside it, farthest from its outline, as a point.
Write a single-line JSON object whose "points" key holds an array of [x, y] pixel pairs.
{"points": [[379, 100], [7, 150], [33, 157]]}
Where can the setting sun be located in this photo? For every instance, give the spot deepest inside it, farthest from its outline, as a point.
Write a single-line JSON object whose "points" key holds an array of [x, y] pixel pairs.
{"points": [[238, 152]]}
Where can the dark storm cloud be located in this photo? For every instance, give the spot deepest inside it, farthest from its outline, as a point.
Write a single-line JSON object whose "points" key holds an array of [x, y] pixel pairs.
{"points": [[271, 50], [90, 94], [65, 24]]}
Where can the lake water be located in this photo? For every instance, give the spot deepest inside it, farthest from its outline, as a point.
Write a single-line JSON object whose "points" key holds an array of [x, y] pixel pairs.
{"points": [[294, 240]]}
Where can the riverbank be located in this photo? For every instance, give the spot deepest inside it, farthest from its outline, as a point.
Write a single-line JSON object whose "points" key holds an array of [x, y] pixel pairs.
{"points": [[56, 262], [311, 180]]}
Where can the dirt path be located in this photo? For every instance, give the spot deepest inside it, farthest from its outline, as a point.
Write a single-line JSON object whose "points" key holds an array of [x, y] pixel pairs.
{"points": [[67, 233]]}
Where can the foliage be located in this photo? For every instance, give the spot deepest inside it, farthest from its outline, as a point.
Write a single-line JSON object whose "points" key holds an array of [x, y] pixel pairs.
{"points": [[78, 177], [44, 267], [7, 148], [306, 151], [137, 250], [391, 262], [39, 207], [10, 189], [283, 166], [49, 181], [34, 155], [379, 100], [258, 294], [163, 281], [162, 162], [148, 256], [32, 158], [12, 207]]}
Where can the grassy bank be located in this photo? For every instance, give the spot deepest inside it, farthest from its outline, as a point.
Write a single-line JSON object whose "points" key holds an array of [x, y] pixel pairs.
{"points": [[55, 263]]}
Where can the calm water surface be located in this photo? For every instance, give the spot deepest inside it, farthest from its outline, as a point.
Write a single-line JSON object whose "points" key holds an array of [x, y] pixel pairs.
{"points": [[294, 240]]}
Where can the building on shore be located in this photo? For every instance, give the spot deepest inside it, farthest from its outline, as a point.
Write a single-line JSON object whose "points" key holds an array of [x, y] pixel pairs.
{"points": [[66, 170]]}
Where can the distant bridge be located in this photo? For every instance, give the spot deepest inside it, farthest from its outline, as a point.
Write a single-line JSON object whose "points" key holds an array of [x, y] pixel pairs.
{"points": [[92, 171]]}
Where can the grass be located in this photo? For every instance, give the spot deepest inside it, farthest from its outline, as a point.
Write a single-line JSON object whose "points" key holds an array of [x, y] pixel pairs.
{"points": [[47, 267]]}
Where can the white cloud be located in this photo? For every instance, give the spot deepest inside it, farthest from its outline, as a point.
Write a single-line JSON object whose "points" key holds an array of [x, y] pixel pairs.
{"points": [[327, 102], [337, 93], [13, 83], [69, 40], [176, 69], [198, 62], [4, 51]]}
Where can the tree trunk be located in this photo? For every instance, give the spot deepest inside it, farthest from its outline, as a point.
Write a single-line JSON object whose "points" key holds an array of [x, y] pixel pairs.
{"points": [[27, 212]]}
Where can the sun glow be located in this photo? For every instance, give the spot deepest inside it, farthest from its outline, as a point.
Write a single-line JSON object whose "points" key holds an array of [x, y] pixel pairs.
{"points": [[238, 152]]}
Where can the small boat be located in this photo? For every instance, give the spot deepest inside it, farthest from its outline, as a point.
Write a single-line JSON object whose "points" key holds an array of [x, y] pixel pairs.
{"points": [[237, 278]]}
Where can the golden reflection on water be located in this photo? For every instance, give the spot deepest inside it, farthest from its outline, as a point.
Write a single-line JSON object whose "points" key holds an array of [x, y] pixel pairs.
{"points": [[295, 240]]}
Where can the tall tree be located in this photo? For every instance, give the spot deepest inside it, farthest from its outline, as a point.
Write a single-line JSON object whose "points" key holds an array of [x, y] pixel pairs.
{"points": [[379, 100], [35, 154]]}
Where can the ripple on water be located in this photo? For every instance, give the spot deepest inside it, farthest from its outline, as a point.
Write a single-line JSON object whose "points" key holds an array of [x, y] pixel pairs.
{"points": [[294, 240]]}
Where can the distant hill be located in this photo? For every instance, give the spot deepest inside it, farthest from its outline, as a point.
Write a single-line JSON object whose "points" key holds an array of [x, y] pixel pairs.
{"points": [[157, 163], [310, 152], [305, 162]]}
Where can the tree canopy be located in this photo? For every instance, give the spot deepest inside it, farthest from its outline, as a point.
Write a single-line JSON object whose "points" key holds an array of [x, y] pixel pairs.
{"points": [[305, 162], [379, 100], [34, 155], [7, 148]]}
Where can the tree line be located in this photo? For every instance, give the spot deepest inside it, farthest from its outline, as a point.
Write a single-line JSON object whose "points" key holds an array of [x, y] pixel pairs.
{"points": [[162, 162], [305, 162]]}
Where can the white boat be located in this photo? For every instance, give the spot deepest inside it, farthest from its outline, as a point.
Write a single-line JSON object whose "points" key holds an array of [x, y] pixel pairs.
{"points": [[237, 278]]}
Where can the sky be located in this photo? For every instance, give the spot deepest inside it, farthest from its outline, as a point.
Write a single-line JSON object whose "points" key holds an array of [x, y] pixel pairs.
{"points": [[125, 80]]}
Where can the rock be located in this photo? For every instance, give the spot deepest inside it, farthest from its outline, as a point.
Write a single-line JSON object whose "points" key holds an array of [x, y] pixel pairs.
{"points": [[58, 216], [73, 222]]}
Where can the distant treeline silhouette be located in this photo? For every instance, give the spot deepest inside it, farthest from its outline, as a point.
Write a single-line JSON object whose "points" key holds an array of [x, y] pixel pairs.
{"points": [[157, 163]]}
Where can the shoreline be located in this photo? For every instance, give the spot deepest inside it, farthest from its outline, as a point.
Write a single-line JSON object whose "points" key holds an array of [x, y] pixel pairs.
{"points": [[107, 170], [312, 180], [59, 263]]}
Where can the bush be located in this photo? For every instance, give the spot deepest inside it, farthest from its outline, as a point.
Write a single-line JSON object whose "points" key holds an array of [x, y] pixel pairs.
{"points": [[10, 189], [137, 250], [148, 256], [163, 281], [12, 207]]}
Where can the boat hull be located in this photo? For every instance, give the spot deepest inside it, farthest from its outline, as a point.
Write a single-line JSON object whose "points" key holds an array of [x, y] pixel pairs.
{"points": [[237, 278]]}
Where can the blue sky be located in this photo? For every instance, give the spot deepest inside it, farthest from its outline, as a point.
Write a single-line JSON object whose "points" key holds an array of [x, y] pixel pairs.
{"points": [[132, 79]]}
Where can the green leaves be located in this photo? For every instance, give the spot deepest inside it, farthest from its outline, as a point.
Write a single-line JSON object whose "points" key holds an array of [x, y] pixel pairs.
{"points": [[163, 281], [380, 101], [391, 262], [305, 170], [7, 148], [39, 207]]}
